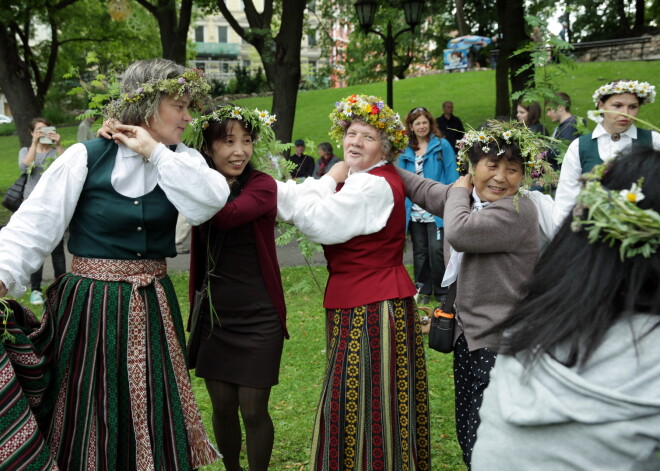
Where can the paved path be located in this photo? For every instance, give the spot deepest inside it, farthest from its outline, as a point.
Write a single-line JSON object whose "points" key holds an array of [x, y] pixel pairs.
{"points": [[288, 256]]}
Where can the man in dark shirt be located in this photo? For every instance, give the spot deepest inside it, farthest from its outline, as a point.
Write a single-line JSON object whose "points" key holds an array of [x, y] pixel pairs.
{"points": [[304, 163], [450, 125], [559, 111]]}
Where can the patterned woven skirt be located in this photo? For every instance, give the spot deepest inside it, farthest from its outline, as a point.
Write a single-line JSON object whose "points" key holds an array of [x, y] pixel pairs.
{"points": [[24, 375], [120, 396], [374, 410]]}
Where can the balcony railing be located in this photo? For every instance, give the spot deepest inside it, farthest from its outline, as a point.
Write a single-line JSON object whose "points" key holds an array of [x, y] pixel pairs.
{"points": [[213, 50]]}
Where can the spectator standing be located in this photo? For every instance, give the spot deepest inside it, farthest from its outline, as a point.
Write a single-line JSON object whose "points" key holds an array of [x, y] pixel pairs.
{"points": [[429, 156], [530, 114], [450, 125], [560, 112], [34, 160], [85, 132], [326, 160], [304, 163], [576, 384], [614, 134]]}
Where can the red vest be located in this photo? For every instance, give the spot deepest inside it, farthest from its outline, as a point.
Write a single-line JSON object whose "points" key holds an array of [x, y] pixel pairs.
{"points": [[369, 268]]}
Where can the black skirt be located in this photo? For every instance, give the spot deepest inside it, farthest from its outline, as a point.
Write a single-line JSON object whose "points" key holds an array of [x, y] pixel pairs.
{"points": [[241, 342]]}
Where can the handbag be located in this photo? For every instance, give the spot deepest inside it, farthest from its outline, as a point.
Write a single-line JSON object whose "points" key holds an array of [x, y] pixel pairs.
{"points": [[441, 334], [14, 196]]}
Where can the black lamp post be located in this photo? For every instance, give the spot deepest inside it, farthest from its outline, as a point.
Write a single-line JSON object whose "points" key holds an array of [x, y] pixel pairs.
{"points": [[366, 12]]}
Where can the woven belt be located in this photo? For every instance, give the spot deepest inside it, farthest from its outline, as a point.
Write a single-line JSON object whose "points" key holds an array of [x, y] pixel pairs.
{"points": [[142, 273]]}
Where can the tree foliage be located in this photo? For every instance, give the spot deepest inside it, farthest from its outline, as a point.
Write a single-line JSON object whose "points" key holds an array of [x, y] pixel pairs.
{"points": [[40, 39]]}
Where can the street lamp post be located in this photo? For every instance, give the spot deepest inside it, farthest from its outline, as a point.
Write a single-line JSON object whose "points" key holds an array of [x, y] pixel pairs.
{"points": [[366, 12]]}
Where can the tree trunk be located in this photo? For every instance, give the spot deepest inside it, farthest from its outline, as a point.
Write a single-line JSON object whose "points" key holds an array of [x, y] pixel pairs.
{"points": [[16, 83], [173, 30], [624, 25], [460, 19], [280, 55], [511, 18], [639, 17]]}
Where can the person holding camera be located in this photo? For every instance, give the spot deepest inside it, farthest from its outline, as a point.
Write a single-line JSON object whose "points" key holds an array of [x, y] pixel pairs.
{"points": [[45, 147]]}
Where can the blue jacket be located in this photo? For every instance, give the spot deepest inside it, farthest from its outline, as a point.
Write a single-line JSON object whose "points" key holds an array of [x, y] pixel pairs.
{"points": [[439, 165]]}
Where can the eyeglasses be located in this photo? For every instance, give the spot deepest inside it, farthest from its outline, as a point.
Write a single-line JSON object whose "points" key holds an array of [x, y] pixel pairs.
{"points": [[420, 108]]}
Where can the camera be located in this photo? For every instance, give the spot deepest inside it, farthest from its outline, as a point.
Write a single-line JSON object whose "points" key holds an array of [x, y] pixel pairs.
{"points": [[46, 130]]}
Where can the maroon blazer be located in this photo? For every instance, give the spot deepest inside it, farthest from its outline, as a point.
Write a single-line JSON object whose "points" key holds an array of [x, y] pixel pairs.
{"points": [[369, 268], [257, 204]]}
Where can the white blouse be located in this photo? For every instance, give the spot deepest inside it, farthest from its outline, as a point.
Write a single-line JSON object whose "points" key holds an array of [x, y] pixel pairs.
{"points": [[571, 169], [362, 207], [197, 191]]}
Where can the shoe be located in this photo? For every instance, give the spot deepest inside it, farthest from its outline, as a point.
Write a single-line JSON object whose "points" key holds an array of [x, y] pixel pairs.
{"points": [[36, 298], [423, 299]]}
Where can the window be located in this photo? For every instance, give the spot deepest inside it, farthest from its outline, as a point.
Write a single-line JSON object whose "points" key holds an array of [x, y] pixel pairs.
{"points": [[246, 63], [311, 39], [199, 34], [201, 66], [222, 34], [312, 67]]}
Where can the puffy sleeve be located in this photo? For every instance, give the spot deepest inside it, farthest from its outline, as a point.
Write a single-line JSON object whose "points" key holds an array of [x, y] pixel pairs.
{"points": [[363, 206], [38, 226], [197, 191], [569, 184]]}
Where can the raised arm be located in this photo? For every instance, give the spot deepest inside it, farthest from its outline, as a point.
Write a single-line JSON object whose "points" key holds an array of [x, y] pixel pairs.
{"points": [[426, 193]]}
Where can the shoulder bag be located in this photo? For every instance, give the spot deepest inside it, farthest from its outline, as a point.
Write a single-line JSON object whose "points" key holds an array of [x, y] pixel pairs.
{"points": [[441, 334], [14, 196]]}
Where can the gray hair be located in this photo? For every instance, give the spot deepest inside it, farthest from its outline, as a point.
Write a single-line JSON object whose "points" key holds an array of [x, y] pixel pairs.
{"points": [[139, 73], [326, 147], [385, 144]]}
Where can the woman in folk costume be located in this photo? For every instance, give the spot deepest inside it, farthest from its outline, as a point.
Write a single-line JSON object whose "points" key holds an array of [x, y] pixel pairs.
{"points": [[617, 105], [373, 412], [119, 396]]}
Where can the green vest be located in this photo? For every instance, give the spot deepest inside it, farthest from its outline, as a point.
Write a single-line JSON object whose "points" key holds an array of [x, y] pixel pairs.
{"points": [[107, 224], [588, 148]]}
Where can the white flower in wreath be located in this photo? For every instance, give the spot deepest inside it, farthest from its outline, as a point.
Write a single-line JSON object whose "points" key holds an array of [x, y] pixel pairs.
{"points": [[634, 195]]}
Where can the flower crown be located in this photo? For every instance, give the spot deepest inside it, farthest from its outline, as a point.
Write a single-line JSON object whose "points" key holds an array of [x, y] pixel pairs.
{"points": [[373, 111], [191, 82], [258, 121], [643, 90], [614, 216], [533, 148]]}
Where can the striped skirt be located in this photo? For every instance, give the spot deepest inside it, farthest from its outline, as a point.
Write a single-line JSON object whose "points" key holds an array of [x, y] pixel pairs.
{"points": [[24, 375], [120, 397], [374, 409]]}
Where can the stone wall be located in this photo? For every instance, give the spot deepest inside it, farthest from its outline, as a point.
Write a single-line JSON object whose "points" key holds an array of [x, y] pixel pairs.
{"points": [[601, 52]]}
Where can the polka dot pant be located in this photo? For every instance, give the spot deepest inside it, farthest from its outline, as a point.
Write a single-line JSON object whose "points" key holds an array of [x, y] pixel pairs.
{"points": [[471, 376]]}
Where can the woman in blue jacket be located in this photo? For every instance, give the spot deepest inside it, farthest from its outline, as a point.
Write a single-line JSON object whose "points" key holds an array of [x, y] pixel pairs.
{"points": [[430, 156]]}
